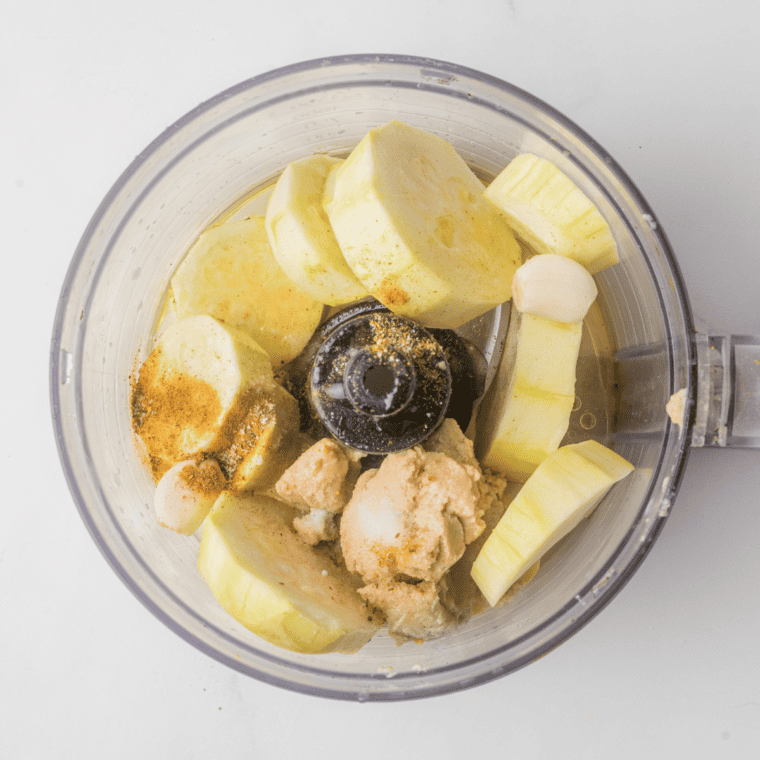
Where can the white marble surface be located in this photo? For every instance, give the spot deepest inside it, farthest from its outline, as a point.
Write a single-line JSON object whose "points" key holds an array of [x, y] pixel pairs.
{"points": [[671, 669]]}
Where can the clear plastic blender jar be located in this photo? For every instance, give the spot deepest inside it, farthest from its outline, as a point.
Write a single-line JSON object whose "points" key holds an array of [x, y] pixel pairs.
{"points": [[640, 348]]}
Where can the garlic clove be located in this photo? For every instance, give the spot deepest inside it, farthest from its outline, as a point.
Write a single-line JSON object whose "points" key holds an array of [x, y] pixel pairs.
{"points": [[553, 286], [186, 493]]}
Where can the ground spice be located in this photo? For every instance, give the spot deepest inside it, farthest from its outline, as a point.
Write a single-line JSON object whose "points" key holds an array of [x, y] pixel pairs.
{"points": [[173, 413], [158, 467], [424, 351], [262, 442], [204, 478], [390, 294], [245, 436], [391, 558]]}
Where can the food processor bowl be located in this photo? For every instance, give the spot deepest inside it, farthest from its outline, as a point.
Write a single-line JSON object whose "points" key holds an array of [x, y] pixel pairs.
{"points": [[236, 144]]}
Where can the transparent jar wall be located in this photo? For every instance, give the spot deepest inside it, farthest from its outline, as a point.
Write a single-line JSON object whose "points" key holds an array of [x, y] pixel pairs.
{"points": [[238, 144]]}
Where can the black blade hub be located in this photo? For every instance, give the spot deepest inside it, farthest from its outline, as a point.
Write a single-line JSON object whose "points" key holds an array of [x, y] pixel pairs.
{"points": [[380, 383]]}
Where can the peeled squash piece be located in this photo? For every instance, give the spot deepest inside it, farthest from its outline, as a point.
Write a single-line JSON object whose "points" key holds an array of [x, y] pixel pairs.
{"points": [[550, 213], [301, 236], [192, 391], [526, 412], [409, 216], [266, 441], [231, 274], [564, 489], [275, 585]]}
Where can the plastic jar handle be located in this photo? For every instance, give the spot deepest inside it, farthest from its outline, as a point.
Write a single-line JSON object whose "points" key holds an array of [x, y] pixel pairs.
{"points": [[728, 391]]}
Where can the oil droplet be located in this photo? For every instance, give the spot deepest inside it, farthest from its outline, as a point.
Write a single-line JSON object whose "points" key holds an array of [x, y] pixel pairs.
{"points": [[587, 421], [577, 404]]}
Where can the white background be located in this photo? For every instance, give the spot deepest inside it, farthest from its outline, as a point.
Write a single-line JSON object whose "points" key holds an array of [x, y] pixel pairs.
{"points": [[670, 669]]}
